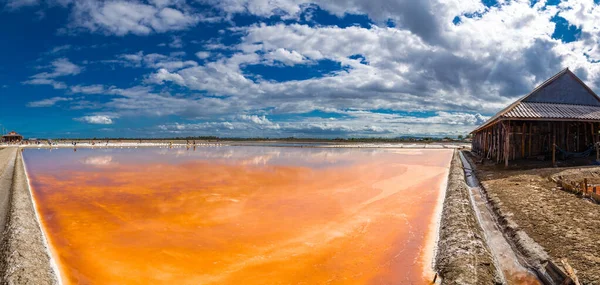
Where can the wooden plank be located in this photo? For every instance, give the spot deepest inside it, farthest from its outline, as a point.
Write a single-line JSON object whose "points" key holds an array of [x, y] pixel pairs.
{"points": [[570, 271]]}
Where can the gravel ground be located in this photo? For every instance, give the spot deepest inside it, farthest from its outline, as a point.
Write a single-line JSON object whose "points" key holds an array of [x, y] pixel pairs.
{"points": [[462, 255], [24, 256], [565, 225]]}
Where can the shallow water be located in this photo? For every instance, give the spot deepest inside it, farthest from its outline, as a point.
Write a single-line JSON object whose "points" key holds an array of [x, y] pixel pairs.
{"points": [[240, 215]]}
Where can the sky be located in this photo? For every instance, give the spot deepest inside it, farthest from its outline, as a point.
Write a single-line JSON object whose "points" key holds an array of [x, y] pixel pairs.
{"points": [[282, 68]]}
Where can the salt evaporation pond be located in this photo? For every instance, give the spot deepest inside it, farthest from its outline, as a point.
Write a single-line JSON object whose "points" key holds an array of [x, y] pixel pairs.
{"points": [[240, 215]]}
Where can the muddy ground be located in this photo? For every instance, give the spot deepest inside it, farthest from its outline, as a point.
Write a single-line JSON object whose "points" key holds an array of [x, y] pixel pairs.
{"points": [[565, 225], [462, 255]]}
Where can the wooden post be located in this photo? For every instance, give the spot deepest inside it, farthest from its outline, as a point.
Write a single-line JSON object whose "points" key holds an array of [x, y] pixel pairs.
{"points": [[523, 141], [577, 147], [485, 143], [585, 133], [592, 129], [497, 142], [597, 135], [506, 144], [554, 147], [585, 185], [568, 136], [530, 127]]}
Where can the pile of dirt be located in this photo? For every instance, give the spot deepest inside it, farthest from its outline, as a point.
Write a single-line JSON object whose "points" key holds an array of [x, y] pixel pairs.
{"points": [[462, 254], [576, 175], [536, 213], [24, 258]]}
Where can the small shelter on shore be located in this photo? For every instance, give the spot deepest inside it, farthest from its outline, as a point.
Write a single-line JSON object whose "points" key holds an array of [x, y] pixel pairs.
{"points": [[12, 137], [562, 116]]}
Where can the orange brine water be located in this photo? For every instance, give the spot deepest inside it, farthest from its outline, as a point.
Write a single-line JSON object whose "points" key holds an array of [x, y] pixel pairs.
{"points": [[240, 215]]}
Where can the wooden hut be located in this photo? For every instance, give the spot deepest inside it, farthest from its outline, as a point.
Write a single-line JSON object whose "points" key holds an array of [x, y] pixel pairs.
{"points": [[12, 137], [559, 117]]}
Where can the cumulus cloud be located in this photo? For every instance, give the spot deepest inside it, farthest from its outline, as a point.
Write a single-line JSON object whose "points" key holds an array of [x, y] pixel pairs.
{"points": [[96, 119], [458, 61], [120, 17], [285, 56], [164, 75]]}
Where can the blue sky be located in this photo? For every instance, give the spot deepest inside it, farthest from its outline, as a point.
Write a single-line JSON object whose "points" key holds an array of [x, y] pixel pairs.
{"points": [[245, 68]]}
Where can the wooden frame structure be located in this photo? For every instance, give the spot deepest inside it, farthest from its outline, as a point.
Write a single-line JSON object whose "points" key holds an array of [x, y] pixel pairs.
{"points": [[561, 116], [12, 137]]}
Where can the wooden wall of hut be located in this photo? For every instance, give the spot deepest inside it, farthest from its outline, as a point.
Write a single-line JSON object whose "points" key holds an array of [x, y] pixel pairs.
{"points": [[512, 140]]}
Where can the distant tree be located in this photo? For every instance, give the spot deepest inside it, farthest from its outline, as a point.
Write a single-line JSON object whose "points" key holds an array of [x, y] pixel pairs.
{"points": [[460, 137]]}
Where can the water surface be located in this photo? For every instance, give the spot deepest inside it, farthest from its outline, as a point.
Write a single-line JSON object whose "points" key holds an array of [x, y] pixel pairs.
{"points": [[240, 215]]}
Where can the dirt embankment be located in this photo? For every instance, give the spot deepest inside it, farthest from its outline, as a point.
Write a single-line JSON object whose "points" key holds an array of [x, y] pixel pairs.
{"points": [[24, 258], [462, 255], [543, 221]]}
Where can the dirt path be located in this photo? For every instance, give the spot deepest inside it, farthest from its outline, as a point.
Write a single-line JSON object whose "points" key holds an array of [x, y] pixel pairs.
{"points": [[565, 225], [24, 258], [7, 167], [463, 256]]}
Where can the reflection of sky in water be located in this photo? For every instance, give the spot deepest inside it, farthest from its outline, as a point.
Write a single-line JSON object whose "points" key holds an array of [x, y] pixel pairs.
{"points": [[239, 215], [248, 155]]}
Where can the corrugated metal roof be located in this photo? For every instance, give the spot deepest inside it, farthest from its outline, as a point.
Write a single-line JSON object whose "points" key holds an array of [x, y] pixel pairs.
{"points": [[541, 110], [534, 110]]}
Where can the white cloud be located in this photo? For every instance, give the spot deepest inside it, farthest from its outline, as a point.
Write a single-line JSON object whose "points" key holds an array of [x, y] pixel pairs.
{"points": [[59, 49], [203, 54], [356, 124], [284, 56], [96, 119], [164, 75], [42, 81], [120, 17], [16, 4], [89, 89], [424, 63], [47, 102], [170, 62], [59, 68]]}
